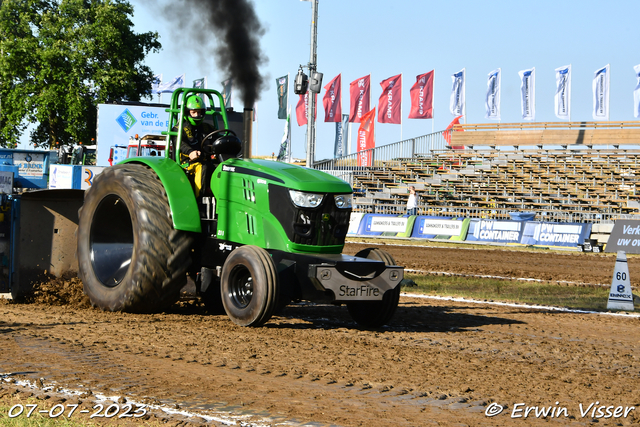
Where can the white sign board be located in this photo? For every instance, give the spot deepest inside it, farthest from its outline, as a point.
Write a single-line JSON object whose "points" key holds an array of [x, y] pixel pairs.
{"points": [[61, 176], [354, 222], [6, 182], [620, 296], [29, 164], [389, 224], [88, 174], [441, 227]]}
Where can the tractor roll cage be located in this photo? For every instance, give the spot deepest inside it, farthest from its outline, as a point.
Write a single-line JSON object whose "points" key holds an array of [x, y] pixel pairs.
{"points": [[176, 116]]}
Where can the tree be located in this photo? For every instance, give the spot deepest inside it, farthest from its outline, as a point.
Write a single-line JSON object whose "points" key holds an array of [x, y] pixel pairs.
{"points": [[60, 58]]}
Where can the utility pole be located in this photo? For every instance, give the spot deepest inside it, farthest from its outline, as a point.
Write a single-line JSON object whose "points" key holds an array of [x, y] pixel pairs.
{"points": [[311, 127]]}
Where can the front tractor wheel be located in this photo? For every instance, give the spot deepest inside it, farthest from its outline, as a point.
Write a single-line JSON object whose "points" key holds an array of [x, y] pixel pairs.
{"points": [[130, 257], [249, 286], [374, 314]]}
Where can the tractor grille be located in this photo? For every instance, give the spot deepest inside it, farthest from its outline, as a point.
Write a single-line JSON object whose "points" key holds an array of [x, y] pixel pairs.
{"points": [[249, 190], [322, 226]]}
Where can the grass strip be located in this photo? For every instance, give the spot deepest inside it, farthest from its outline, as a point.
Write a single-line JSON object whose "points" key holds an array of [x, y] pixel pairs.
{"points": [[577, 297]]}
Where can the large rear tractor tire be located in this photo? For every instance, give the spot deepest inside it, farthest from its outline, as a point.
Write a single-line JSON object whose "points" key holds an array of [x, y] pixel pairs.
{"points": [[130, 257], [249, 286], [374, 314]]}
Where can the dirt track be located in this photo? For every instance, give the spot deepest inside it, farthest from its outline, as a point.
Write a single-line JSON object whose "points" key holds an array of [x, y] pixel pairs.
{"points": [[438, 362]]}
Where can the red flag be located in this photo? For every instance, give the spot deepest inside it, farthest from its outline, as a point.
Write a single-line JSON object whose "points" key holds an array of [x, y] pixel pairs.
{"points": [[422, 97], [390, 103], [360, 90], [366, 139], [332, 100], [302, 108], [449, 129]]}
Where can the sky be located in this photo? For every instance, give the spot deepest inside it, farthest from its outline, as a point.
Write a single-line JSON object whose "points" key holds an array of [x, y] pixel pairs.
{"points": [[386, 38]]}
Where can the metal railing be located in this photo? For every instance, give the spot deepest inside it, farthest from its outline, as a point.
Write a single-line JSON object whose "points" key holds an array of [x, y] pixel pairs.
{"points": [[344, 167], [499, 213]]}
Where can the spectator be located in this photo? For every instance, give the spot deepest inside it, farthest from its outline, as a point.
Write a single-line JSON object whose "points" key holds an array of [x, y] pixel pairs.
{"points": [[412, 202]]}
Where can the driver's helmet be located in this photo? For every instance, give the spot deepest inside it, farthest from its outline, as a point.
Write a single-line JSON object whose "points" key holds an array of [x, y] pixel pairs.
{"points": [[195, 110]]}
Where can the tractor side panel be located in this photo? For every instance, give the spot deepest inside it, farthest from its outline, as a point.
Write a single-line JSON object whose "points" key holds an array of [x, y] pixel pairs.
{"points": [[243, 209]]}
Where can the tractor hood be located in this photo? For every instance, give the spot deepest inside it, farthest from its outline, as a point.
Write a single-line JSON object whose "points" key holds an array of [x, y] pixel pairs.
{"points": [[287, 175]]}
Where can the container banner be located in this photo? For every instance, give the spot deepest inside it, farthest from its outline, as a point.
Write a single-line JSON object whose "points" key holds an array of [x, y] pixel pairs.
{"points": [[554, 234], [482, 230]]}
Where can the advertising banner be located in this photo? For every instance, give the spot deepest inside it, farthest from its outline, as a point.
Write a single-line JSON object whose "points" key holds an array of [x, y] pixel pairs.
{"points": [[456, 102], [332, 100], [421, 95], [625, 236], [429, 227], [482, 230], [528, 94], [390, 102], [88, 174], [117, 123], [563, 92], [360, 97], [366, 139], [492, 101], [375, 225], [61, 176], [6, 182], [554, 234]]}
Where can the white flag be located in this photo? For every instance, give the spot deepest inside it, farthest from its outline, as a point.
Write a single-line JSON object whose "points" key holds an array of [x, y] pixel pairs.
{"points": [[636, 93], [601, 94], [492, 102], [456, 104], [227, 93], [155, 83], [176, 82], [528, 93], [563, 92]]}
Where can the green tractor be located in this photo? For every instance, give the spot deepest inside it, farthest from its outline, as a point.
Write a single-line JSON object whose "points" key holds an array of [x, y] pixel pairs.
{"points": [[270, 233]]}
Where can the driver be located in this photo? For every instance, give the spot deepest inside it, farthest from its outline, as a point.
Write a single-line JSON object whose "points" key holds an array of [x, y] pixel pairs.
{"points": [[194, 129]]}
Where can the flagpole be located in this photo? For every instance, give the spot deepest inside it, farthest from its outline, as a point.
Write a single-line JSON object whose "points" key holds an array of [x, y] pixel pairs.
{"points": [[311, 125], [401, 105], [289, 128], [464, 94], [569, 92], [433, 103], [608, 89], [375, 128]]}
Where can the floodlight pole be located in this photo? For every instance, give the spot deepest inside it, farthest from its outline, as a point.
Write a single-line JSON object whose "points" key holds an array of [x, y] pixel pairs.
{"points": [[311, 120]]}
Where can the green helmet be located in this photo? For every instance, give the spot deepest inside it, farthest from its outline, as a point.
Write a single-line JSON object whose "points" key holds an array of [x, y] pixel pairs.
{"points": [[196, 105]]}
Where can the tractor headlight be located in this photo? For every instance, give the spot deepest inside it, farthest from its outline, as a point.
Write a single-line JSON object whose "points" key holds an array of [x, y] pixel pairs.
{"points": [[343, 201], [306, 200]]}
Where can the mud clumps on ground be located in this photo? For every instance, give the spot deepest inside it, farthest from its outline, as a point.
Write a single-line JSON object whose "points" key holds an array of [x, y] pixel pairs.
{"points": [[59, 291]]}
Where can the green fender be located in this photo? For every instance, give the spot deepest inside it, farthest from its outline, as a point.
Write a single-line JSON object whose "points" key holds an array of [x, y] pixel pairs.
{"points": [[182, 200]]}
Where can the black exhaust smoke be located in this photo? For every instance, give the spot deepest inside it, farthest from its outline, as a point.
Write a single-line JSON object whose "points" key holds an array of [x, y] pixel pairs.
{"points": [[235, 40]]}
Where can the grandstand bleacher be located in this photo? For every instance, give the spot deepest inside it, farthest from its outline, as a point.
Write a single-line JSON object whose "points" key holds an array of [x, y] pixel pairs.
{"points": [[562, 172]]}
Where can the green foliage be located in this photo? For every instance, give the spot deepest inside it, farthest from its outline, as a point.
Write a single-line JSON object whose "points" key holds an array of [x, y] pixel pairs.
{"points": [[60, 58]]}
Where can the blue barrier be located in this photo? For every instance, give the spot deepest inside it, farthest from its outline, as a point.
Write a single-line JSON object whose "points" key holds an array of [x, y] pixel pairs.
{"points": [[495, 231], [554, 234]]}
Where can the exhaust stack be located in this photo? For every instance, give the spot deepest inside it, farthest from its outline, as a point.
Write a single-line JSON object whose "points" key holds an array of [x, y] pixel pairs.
{"points": [[247, 131]]}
